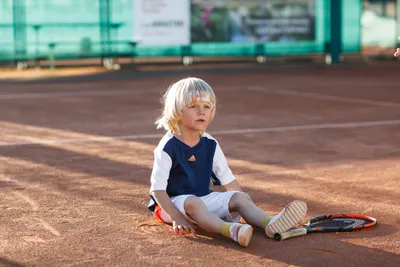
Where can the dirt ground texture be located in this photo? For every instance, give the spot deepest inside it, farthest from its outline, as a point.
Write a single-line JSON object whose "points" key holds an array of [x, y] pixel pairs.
{"points": [[76, 157]]}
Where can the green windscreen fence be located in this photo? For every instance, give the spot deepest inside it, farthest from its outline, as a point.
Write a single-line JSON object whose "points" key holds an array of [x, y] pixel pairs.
{"points": [[6, 31], [73, 29]]}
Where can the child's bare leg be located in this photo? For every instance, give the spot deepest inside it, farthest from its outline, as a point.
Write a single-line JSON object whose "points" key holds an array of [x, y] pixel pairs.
{"points": [[291, 215], [242, 203], [196, 209]]}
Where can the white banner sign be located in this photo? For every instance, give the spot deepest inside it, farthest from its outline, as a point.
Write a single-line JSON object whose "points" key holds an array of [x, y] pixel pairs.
{"points": [[161, 22], [398, 22]]}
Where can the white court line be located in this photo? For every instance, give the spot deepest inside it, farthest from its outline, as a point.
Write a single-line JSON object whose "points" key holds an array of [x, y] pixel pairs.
{"points": [[67, 94], [221, 132], [83, 140], [325, 97], [48, 227], [32, 203]]}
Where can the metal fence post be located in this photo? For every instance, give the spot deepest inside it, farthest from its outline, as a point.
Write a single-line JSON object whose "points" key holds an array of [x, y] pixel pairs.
{"points": [[52, 47], [19, 32], [37, 28], [260, 53], [105, 31], [336, 30]]}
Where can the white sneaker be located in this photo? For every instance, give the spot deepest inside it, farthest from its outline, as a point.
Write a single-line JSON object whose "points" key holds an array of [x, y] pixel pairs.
{"points": [[291, 215], [241, 233]]}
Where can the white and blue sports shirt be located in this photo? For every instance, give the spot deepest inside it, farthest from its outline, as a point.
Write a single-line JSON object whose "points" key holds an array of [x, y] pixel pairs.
{"points": [[183, 170]]}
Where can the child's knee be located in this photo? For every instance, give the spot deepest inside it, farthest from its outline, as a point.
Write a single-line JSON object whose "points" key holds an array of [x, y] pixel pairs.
{"points": [[193, 205], [240, 199], [243, 196]]}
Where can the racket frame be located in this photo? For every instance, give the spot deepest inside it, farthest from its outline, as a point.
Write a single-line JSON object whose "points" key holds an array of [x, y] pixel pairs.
{"points": [[326, 229]]}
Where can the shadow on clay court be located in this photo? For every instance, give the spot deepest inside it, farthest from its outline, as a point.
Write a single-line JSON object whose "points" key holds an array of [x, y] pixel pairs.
{"points": [[79, 163], [92, 166], [116, 170], [9, 263], [357, 192], [315, 249]]}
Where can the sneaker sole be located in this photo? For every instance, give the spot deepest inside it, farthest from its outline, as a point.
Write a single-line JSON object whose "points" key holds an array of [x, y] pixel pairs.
{"points": [[245, 234], [293, 213]]}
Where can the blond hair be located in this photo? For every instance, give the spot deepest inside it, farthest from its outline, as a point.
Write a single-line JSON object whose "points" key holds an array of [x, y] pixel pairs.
{"points": [[180, 94]]}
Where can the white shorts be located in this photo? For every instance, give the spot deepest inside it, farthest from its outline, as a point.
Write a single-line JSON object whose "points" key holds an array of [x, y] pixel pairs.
{"points": [[216, 202]]}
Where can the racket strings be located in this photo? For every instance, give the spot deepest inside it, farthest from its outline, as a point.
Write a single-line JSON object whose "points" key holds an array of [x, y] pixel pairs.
{"points": [[341, 222]]}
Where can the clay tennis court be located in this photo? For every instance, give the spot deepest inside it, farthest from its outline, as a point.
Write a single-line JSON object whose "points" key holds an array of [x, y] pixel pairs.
{"points": [[76, 157]]}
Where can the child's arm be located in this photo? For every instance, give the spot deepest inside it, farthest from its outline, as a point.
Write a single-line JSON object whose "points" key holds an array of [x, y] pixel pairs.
{"points": [[233, 186], [180, 225], [159, 182]]}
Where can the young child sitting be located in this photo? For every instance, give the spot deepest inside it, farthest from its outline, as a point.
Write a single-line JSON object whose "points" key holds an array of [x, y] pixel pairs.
{"points": [[185, 160]]}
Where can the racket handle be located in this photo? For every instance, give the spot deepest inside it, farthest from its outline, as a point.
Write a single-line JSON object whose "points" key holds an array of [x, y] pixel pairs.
{"points": [[290, 234]]}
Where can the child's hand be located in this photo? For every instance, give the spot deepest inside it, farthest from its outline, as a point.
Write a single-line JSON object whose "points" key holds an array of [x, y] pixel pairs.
{"points": [[182, 226], [397, 53]]}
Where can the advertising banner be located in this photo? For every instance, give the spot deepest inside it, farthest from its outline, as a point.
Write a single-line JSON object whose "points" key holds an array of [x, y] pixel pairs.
{"points": [[245, 21], [161, 22], [398, 22]]}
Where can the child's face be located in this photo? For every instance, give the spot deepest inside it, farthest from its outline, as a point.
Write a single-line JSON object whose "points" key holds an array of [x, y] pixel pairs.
{"points": [[197, 115]]}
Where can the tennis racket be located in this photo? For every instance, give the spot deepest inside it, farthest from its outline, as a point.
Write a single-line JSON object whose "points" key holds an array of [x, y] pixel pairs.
{"points": [[330, 223]]}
